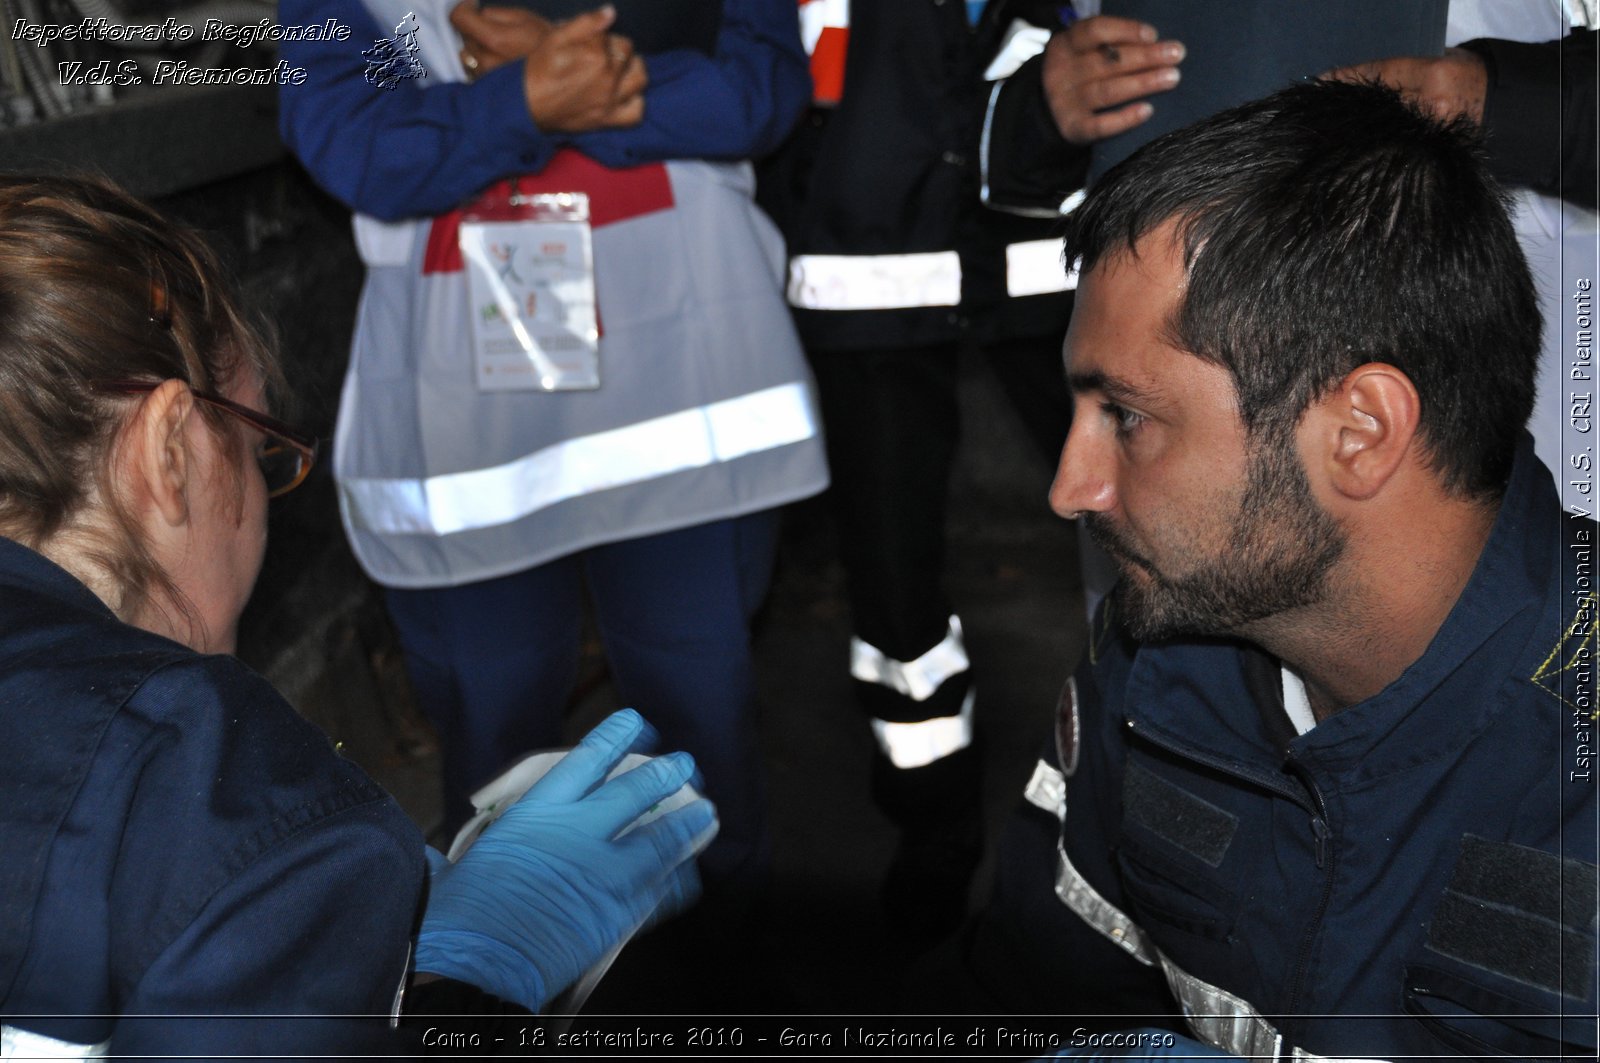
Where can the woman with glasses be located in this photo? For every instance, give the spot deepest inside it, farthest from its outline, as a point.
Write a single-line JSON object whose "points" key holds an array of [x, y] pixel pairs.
{"points": [[185, 864]]}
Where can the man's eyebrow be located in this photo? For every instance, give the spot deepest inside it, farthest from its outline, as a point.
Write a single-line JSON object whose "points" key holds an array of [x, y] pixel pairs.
{"points": [[1111, 387]]}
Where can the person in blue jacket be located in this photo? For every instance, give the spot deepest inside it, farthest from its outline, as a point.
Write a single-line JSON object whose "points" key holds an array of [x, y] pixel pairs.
{"points": [[487, 505], [189, 868], [1324, 785]]}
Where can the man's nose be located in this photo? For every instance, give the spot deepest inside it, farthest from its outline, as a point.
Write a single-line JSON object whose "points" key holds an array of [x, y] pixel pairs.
{"points": [[1083, 482]]}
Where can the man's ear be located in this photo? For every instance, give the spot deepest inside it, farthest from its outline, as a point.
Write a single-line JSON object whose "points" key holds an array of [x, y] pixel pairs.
{"points": [[156, 459], [1360, 432]]}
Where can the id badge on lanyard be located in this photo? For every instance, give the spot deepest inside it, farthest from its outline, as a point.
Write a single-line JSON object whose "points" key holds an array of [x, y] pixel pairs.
{"points": [[530, 277]]}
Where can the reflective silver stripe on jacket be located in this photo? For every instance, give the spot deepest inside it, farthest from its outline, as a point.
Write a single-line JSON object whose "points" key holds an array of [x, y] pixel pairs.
{"points": [[875, 282], [1034, 267], [1021, 42], [660, 446], [1214, 1015], [1047, 789], [1076, 893], [21, 1044], [819, 15], [1068, 205]]}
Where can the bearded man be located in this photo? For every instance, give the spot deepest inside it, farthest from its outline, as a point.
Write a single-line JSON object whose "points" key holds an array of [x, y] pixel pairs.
{"points": [[1322, 785]]}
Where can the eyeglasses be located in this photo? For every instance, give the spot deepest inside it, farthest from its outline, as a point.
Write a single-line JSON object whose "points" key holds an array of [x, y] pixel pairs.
{"points": [[285, 457]]}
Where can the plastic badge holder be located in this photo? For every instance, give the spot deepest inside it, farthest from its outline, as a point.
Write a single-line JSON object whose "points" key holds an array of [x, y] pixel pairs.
{"points": [[530, 278], [507, 788]]}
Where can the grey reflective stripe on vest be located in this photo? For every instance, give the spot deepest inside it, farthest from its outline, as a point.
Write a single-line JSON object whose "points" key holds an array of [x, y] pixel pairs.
{"points": [[1215, 1015], [705, 410], [21, 1044], [660, 446]]}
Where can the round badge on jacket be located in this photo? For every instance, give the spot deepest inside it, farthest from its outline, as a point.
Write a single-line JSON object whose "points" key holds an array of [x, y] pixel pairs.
{"points": [[1067, 730]]}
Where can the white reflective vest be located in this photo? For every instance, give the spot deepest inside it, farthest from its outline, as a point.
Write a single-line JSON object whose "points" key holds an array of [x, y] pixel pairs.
{"points": [[705, 409]]}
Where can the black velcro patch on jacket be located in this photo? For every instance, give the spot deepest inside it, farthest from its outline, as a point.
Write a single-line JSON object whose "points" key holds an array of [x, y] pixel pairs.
{"points": [[1519, 912], [1170, 812]]}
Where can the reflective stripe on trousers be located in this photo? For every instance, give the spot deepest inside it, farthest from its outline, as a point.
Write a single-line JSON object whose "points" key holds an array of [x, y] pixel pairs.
{"points": [[1215, 1015], [912, 745]]}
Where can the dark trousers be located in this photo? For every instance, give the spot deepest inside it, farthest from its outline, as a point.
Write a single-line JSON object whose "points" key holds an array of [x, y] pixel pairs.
{"points": [[493, 663], [892, 426]]}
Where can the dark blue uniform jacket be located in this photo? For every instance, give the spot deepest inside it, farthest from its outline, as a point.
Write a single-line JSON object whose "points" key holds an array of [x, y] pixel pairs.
{"points": [[175, 841], [1413, 876]]}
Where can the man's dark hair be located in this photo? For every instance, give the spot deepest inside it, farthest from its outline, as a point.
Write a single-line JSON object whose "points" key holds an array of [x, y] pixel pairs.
{"points": [[1330, 225]]}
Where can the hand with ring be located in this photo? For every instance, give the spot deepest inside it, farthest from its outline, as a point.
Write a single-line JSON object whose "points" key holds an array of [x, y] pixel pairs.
{"points": [[494, 36], [1096, 69], [577, 75]]}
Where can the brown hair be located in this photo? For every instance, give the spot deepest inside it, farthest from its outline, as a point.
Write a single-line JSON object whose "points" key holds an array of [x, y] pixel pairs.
{"points": [[96, 286]]}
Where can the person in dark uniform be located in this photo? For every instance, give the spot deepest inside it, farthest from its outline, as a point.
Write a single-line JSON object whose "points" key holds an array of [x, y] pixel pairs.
{"points": [[190, 869], [1322, 786], [899, 258]]}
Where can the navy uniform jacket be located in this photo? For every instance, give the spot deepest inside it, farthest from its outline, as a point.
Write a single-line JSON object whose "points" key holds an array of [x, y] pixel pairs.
{"points": [[175, 840], [1383, 884], [897, 166]]}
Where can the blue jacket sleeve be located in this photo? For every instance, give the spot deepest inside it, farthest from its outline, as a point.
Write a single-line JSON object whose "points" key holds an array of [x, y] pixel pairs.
{"points": [[736, 104], [412, 152], [405, 151], [264, 891], [298, 954]]}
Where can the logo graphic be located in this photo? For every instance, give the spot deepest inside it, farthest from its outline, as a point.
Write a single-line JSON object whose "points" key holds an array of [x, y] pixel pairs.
{"points": [[395, 59], [1574, 654]]}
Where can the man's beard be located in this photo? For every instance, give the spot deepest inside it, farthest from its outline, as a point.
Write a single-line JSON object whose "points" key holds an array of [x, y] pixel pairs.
{"points": [[1279, 554]]}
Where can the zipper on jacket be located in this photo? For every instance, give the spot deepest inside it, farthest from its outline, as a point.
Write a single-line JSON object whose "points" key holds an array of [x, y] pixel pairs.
{"points": [[1272, 781], [1326, 861], [1308, 797]]}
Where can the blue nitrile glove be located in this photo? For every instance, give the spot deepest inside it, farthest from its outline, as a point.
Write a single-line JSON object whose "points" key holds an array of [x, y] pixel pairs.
{"points": [[1148, 1043], [549, 889]]}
